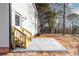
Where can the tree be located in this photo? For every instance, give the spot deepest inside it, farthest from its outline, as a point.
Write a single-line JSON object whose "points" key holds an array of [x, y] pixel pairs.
{"points": [[47, 15], [64, 19], [53, 21], [63, 9], [42, 8], [73, 18]]}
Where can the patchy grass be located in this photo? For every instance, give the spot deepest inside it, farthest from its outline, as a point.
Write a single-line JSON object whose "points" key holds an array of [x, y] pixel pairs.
{"points": [[76, 37]]}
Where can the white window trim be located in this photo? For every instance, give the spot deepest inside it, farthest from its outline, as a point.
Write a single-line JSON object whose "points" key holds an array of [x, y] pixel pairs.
{"points": [[20, 19]]}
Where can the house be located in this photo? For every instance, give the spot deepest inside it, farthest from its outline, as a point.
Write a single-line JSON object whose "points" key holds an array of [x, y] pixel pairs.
{"points": [[18, 15]]}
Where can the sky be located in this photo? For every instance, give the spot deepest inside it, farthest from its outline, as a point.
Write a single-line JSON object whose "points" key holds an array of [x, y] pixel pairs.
{"points": [[75, 7]]}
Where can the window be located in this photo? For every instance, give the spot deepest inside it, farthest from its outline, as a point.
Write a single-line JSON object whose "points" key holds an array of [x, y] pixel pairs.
{"points": [[17, 19]]}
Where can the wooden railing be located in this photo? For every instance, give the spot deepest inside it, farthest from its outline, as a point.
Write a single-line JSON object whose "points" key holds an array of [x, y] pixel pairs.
{"points": [[21, 38], [29, 36]]}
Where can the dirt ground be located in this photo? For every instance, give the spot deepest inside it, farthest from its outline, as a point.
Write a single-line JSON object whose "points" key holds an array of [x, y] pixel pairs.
{"points": [[71, 42]]}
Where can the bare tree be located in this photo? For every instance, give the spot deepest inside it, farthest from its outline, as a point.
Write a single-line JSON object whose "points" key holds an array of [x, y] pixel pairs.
{"points": [[63, 19]]}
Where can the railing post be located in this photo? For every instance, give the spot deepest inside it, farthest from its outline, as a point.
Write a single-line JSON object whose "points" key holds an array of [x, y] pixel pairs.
{"points": [[25, 42], [14, 37]]}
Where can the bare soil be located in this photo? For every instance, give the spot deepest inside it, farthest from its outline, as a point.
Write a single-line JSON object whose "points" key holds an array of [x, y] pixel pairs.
{"points": [[71, 42]]}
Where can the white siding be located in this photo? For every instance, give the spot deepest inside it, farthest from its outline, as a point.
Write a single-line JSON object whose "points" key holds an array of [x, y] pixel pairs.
{"points": [[27, 11], [4, 25]]}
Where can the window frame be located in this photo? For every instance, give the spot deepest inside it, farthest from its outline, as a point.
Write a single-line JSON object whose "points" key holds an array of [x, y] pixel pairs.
{"points": [[20, 18]]}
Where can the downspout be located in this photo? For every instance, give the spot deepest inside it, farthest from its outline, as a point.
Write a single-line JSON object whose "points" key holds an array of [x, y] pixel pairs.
{"points": [[10, 35]]}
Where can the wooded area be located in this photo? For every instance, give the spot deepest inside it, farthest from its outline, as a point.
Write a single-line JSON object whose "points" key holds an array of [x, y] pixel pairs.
{"points": [[50, 14]]}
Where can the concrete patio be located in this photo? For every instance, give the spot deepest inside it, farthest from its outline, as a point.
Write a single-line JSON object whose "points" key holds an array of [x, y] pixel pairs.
{"points": [[44, 44]]}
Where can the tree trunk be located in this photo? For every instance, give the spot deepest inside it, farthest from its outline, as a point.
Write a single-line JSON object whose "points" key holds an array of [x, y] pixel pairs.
{"points": [[49, 29], [64, 20]]}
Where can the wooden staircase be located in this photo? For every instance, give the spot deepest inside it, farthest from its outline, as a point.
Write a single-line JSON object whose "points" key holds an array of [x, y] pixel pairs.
{"points": [[21, 37]]}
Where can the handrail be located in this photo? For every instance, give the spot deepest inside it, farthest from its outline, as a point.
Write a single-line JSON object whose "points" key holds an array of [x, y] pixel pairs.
{"points": [[19, 30], [26, 30]]}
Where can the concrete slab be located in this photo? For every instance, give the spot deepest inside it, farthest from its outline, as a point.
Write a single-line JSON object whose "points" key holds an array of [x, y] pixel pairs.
{"points": [[43, 44]]}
